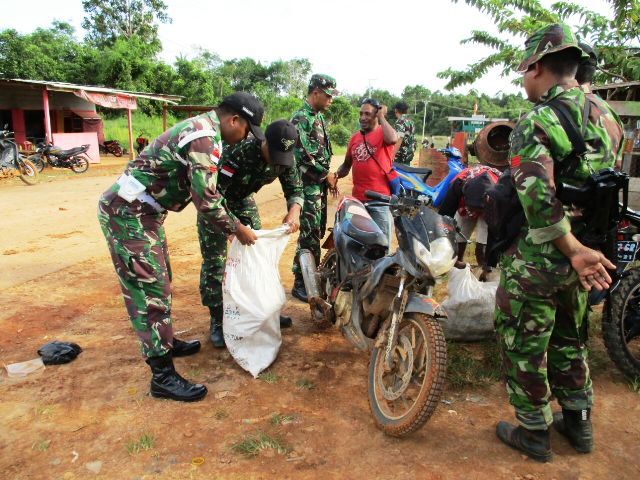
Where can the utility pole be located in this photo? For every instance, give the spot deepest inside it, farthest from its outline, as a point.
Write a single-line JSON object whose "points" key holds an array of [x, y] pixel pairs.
{"points": [[424, 118]]}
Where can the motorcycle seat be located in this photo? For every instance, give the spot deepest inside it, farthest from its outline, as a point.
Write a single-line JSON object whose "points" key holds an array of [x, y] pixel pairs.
{"points": [[69, 152], [417, 170], [358, 224]]}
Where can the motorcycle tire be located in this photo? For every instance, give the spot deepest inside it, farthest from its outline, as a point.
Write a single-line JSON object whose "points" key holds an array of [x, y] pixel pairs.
{"points": [[620, 314], [38, 161], [431, 385], [116, 150], [28, 171], [79, 164]]}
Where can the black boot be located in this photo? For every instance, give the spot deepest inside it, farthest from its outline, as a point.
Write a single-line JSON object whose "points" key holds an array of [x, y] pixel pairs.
{"points": [[215, 332], [166, 383], [533, 443], [299, 291], [576, 426], [285, 322], [183, 349]]}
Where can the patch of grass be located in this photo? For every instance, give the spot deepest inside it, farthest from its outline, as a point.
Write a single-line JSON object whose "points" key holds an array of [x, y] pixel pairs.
{"points": [[145, 442], [195, 372], [251, 445], [305, 384], [220, 414], [278, 419], [44, 410], [470, 365], [634, 385], [40, 445], [115, 127], [269, 377]]}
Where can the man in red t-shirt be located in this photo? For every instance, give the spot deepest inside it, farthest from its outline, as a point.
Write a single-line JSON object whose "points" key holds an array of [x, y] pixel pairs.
{"points": [[370, 153]]}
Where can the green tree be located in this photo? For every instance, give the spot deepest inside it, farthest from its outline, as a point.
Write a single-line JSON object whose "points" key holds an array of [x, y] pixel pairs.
{"points": [[108, 20], [617, 38]]}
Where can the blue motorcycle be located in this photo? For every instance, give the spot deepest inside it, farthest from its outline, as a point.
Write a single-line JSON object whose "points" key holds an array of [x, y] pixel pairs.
{"points": [[414, 179]]}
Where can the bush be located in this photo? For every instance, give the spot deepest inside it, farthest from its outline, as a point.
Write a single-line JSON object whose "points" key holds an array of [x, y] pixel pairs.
{"points": [[339, 135]]}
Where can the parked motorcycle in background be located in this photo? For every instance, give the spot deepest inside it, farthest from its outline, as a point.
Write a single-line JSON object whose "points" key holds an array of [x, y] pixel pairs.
{"points": [[113, 147], [141, 142], [48, 154], [383, 303], [12, 163]]}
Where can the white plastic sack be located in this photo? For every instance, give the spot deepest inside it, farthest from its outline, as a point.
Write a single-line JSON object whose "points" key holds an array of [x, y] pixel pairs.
{"points": [[253, 297], [470, 306]]}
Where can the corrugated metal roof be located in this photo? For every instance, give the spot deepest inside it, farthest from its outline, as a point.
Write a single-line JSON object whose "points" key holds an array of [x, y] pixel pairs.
{"points": [[615, 85], [70, 87]]}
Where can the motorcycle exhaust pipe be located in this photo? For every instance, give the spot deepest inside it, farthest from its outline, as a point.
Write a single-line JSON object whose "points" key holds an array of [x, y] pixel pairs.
{"points": [[309, 274]]}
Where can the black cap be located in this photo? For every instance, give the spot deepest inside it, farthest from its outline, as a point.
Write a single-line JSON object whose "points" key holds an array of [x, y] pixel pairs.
{"points": [[282, 136], [475, 189], [249, 108]]}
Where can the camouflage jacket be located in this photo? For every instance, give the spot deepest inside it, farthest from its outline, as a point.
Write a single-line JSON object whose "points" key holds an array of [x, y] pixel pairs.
{"points": [[537, 140], [408, 146], [177, 173], [244, 171], [313, 151]]}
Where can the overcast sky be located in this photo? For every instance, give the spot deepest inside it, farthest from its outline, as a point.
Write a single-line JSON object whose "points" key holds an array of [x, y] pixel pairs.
{"points": [[349, 39]]}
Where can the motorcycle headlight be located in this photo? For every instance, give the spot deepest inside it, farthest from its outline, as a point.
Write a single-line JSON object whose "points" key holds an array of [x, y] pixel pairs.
{"points": [[439, 260]]}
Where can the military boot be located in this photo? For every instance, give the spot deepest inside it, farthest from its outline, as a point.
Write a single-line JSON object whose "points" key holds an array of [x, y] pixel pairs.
{"points": [[166, 383], [576, 426], [215, 333], [534, 443], [183, 348], [299, 291]]}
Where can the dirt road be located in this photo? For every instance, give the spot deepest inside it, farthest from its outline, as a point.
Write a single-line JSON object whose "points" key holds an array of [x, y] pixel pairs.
{"points": [[93, 418]]}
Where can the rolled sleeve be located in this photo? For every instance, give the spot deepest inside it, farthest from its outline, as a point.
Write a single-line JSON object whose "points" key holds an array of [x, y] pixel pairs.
{"points": [[550, 233]]}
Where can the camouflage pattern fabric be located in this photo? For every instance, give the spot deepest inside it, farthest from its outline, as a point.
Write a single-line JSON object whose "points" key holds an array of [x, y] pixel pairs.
{"points": [[243, 172], [408, 146], [546, 40], [540, 307], [174, 175], [324, 82], [313, 156]]}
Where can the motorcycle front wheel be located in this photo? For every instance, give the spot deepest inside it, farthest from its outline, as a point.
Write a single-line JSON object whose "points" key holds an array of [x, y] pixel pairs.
{"points": [[28, 171], [38, 161], [79, 164], [621, 325], [404, 398]]}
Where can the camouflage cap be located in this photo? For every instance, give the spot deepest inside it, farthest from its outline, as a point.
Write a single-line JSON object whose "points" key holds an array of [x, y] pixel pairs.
{"points": [[324, 82], [549, 39]]}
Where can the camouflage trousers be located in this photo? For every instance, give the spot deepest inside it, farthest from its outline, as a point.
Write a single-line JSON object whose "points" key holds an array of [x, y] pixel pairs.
{"points": [[213, 247], [541, 321], [138, 246], [313, 223], [404, 155]]}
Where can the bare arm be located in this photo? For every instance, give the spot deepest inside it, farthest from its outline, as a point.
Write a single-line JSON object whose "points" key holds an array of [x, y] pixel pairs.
{"points": [[590, 264], [389, 135], [344, 169]]}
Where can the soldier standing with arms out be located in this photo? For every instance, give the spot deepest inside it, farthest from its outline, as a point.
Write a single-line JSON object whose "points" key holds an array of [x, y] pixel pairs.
{"points": [[406, 130], [180, 166], [244, 169], [313, 158], [542, 296]]}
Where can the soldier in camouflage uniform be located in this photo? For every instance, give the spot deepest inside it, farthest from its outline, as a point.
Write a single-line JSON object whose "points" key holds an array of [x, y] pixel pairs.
{"points": [[180, 166], [407, 131], [542, 296], [313, 157], [244, 169]]}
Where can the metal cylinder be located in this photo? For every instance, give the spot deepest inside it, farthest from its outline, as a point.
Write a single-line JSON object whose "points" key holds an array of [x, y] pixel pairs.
{"points": [[491, 145], [309, 273]]}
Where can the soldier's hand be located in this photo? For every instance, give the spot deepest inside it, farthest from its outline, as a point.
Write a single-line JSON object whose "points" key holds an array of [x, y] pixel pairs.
{"points": [[591, 266], [293, 218], [245, 235]]}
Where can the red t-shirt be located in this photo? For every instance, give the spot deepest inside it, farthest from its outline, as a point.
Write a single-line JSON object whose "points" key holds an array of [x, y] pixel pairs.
{"points": [[367, 175]]}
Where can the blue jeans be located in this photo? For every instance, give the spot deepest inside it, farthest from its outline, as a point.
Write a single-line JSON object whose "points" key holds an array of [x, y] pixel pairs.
{"points": [[381, 214]]}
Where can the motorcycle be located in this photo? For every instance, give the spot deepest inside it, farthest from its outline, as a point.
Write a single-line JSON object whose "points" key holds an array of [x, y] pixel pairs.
{"points": [[13, 163], [48, 154], [383, 303], [414, 179], [113, 147], [141, 142]]}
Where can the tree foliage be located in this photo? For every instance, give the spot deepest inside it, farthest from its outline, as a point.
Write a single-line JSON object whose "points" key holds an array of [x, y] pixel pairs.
{"points": [[617, 38]]}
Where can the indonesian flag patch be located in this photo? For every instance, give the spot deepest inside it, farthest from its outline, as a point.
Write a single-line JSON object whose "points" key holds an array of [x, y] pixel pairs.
{"points": [[515, 161], [227, 170]]}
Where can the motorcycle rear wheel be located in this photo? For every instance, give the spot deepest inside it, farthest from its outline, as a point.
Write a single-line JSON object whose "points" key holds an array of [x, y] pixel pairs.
{"points": [[621, 325], [79, 164], [402, 401], [38, 161], [116, 150], [28, 171]]}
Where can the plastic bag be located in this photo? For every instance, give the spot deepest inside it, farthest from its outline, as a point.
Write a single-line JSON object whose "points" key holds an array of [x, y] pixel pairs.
{"points": [[253, 297], [56, 353], [22, 369], [470, 307]]}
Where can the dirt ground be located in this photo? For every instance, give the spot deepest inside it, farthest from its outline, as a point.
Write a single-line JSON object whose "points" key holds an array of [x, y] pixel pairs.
{"points": [[91, 418]]}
